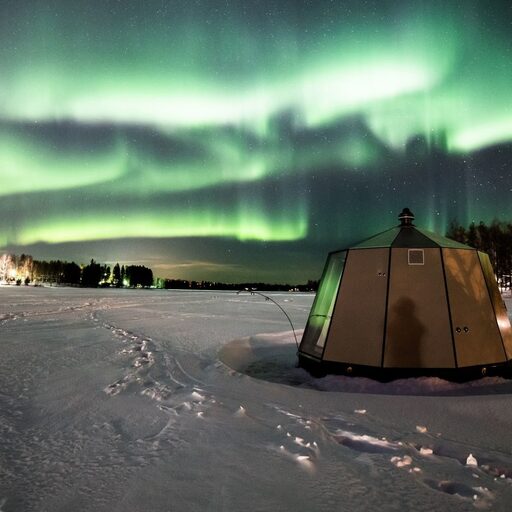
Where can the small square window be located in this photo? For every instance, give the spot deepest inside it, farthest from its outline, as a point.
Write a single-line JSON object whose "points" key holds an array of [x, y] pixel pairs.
{"points": [[416, 257]]}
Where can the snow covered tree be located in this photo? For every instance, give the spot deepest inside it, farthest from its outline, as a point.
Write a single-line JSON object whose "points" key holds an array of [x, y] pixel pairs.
{"points": [[25, 267], [7, 267]]}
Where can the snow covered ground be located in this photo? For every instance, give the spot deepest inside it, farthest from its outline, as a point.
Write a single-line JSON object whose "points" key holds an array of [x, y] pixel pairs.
{"points": [[126, 400]]}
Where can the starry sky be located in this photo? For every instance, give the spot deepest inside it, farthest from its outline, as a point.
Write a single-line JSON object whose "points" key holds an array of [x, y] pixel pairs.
{"points": [[241, 141]]}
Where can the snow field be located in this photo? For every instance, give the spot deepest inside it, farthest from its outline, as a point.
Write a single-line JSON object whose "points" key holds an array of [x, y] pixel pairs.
{"points": [[154, 400]]}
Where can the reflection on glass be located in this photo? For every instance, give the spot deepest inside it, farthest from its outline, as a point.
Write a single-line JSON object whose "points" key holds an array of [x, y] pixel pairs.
{"points": [[321, 312], [500, 309]]}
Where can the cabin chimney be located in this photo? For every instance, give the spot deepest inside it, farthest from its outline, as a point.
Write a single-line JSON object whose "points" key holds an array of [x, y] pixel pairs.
{"points": [[406, 217]]}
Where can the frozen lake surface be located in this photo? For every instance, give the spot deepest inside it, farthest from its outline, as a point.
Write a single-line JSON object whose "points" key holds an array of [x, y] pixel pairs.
{"points": [[149, 400]]}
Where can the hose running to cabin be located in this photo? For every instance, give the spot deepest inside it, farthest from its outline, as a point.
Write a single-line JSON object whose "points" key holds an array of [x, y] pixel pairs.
{"points": [[278, 305]]}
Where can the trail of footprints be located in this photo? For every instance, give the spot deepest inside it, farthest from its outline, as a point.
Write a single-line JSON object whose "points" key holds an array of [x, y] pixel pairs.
{"points": [[27, 315], [298, 441], [9, 317], [474, 478], [159, 376], [140, 352]]}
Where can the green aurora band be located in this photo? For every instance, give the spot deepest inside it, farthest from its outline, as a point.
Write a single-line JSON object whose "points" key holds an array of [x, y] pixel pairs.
{"points": [[164, 120]]}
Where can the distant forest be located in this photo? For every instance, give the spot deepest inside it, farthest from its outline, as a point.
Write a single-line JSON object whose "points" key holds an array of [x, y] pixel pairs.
{"points": [[25, 270], [183, 284], [495, 240]]}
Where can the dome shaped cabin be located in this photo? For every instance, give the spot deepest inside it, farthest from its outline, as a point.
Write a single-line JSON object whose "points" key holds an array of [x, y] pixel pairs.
{"points": [[407, 302]]}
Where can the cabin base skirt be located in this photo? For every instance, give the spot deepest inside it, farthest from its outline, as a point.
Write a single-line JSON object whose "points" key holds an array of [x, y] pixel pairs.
{"points": [[319, 369]]}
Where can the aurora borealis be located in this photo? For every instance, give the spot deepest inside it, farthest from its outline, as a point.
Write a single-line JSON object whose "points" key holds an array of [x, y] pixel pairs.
{"points": [[242, 140]]}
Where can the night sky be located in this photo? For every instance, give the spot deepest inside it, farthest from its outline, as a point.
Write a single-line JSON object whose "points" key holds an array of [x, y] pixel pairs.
{"points": [[242, 140]]}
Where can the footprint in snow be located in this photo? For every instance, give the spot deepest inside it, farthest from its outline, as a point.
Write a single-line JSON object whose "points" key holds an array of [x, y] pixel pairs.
{"points": [[364, 443], [481, 496]]}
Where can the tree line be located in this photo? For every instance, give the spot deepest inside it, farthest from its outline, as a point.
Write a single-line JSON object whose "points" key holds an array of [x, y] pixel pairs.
{"points": [[494, 239], [25, 270], [183, 284]]}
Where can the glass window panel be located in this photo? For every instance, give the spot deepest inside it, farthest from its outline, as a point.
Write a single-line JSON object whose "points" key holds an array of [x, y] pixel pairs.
{"points": [[321, 312]]}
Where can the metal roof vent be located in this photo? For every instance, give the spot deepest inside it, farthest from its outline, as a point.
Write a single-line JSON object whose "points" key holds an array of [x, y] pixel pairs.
{"points": [[406, 217]]}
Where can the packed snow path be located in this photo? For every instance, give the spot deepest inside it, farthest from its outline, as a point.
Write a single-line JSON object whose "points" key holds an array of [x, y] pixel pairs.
{"points": [[118, 400]]}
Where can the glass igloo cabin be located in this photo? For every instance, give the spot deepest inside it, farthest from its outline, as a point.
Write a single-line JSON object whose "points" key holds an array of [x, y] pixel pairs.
{"points": [[408, 302]]}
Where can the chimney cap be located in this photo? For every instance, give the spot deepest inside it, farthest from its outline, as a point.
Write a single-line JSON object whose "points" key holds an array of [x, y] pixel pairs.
{"points": [[406, 217]]}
